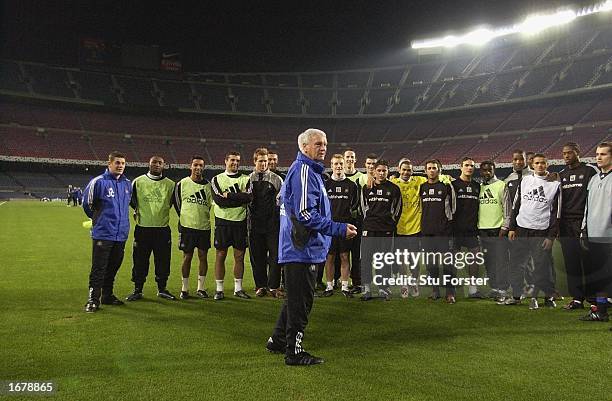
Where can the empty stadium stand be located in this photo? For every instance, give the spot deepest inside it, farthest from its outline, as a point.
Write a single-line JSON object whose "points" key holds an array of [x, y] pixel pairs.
{"points": [[27, 130], [573, 58], [534, 95]]}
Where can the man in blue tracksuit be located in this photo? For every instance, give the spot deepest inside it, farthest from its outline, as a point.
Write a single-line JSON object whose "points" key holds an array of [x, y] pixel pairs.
{"points": [[106, 201], [303, 243]]}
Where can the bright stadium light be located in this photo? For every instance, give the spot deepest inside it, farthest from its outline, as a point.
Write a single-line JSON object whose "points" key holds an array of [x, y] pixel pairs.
{"points": [[479, 36], [450, 41], [476, 37], [533, 24], [599, 8], [537, 23], [607, 6]]}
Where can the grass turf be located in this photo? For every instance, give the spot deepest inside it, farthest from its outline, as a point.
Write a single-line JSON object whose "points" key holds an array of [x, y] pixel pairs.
{"points": [[206, 350]]}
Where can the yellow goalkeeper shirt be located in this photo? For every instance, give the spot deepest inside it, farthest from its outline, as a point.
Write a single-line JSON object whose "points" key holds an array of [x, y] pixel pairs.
{"points": [[410, 219]]}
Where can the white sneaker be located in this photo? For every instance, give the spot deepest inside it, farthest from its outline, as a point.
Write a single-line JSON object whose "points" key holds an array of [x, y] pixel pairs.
{"points": [[385, 293], [501, 296], [510, 301], [405, 292], [528, 291], [414, 291], [533, 304]]}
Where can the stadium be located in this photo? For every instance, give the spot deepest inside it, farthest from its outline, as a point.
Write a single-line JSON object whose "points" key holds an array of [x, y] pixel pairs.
{"points": [[535, 85]]}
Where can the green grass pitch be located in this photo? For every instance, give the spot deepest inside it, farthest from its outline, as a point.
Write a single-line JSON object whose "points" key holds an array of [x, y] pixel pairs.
{"points": [[204, 350]]}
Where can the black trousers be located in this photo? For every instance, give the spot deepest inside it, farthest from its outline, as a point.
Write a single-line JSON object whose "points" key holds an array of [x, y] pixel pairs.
{"points": [[528, 244], [356, 259], [263, 251], [599, 272], [106, 257], [293, 318], [439, 245], [495, 251], [367, 275], [157, 240], [576, 259]]}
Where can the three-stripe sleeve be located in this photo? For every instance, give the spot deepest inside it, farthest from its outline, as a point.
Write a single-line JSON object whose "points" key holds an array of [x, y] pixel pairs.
{"points": [[450, 205], [177, 199], [303, 210], [396, 206], [89, 199], [134, 200], [364, 201], [516, 206], [555, 215], [506, 207]]}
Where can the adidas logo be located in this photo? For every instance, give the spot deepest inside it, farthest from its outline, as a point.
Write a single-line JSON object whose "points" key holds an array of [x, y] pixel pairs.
{"points": [[234, 188], [198, 197], [155, 196], [486, 197], [536, 195]]}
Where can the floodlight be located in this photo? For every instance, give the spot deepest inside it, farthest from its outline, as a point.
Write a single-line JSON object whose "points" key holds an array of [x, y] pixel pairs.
{"points": [[450, 41], [533, 24], [479, 36], [600, 8], [539, 22]]}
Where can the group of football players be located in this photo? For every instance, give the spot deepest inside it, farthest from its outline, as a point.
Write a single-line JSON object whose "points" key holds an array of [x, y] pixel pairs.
{"points": [[512, 222]]}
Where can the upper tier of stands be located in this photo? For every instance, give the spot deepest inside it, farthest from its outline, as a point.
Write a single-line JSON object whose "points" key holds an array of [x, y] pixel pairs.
{"points": [[536, 95], [571, 58]]}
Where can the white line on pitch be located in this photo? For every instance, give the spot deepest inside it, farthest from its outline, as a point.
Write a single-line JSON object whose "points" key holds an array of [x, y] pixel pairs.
{"points": [[2, 203]]}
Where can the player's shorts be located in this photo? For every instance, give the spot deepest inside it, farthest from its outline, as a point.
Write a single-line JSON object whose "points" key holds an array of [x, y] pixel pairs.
{"points": [[191, 239], [466, 239], [340, 245], [231, 235]]}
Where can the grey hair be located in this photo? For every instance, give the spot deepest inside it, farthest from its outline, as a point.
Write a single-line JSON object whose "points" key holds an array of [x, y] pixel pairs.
{"points": [[305, 137]]}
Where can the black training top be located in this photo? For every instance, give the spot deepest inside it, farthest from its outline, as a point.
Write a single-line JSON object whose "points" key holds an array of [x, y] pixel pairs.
{"points": [[344, 199], [574, 183], [465, 218], [382, 206], [438, 202]]}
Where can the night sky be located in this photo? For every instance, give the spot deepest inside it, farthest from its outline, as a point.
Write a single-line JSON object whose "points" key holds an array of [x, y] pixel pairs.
{"points": [[249, 36]]}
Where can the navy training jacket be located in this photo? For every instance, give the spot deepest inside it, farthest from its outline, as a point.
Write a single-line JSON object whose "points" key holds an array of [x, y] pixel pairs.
{"points": [[306, 226], [106, 200]]}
